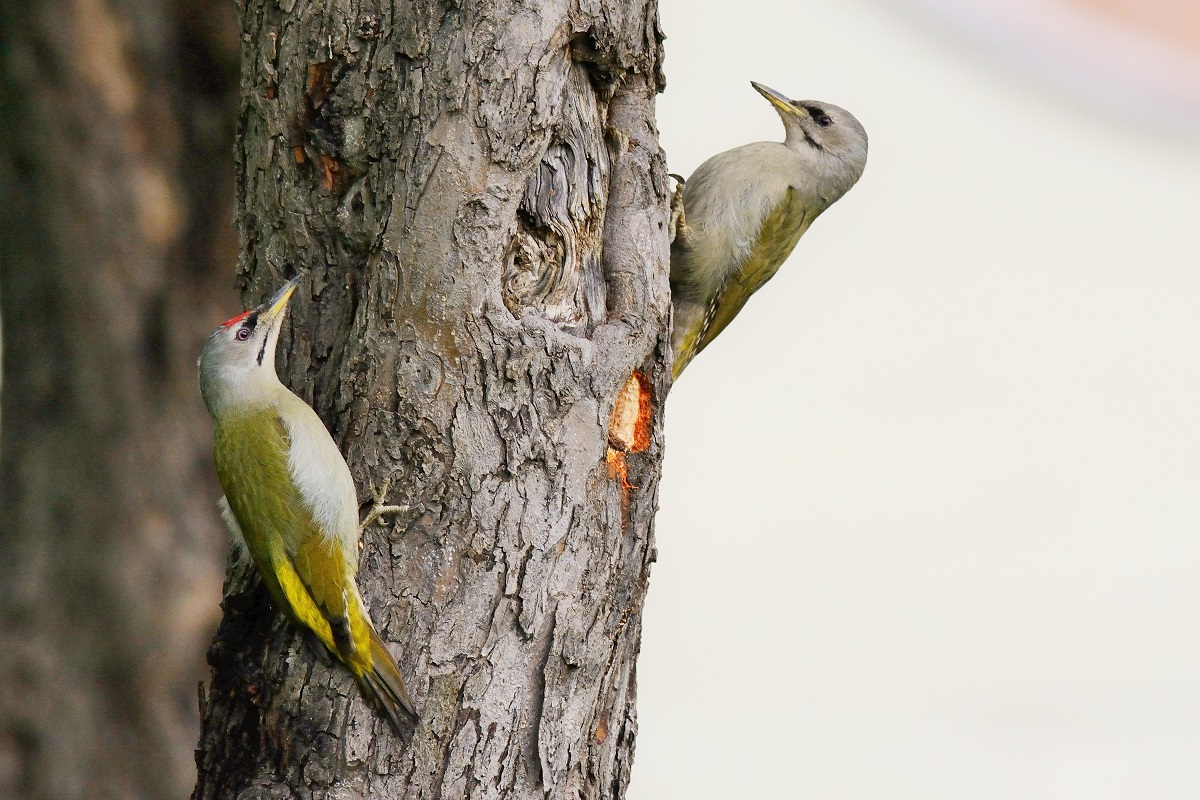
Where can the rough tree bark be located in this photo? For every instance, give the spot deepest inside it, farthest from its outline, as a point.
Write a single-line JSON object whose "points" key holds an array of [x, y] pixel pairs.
{"points": [[116, 127], [479, 195]]}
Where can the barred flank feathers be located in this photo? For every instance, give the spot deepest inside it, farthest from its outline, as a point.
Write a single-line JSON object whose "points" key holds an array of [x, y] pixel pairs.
{"points": [[384, 688]]}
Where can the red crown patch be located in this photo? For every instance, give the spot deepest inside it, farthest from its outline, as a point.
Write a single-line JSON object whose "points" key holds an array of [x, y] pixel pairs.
{"points": [[230, 323]]}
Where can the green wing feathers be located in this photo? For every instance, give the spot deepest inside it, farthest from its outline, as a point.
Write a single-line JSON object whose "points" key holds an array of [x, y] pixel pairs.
{"points": [[777, 237], [321, 571], [250, 453], [303, 569]]}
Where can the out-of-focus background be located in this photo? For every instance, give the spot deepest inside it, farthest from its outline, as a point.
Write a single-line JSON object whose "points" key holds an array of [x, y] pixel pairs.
{"points": [[116, 257], [928, 526], [929, 518]]}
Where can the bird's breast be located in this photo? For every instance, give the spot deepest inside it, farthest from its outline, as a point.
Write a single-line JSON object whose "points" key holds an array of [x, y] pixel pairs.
{"points": [[320, 474]]}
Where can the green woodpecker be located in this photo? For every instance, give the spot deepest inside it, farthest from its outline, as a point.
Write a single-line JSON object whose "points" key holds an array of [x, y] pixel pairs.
{"points": [[290, 502], [744, 210]]}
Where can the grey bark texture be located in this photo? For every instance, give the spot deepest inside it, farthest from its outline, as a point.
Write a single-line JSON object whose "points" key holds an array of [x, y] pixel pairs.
{"points": [[116, 126], [479, 196]]}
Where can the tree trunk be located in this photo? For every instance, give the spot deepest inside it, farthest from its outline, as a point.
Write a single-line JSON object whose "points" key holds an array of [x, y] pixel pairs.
{"points": [[480, 197], [116, 119]]}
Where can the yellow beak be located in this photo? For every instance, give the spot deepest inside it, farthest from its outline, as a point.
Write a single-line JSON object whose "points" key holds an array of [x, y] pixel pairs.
{"points": [[271, 311], [778, 100]]}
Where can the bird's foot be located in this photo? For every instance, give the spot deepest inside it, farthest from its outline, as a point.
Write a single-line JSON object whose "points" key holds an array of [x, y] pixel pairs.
{"points": [[678, 223], [379, 507]]}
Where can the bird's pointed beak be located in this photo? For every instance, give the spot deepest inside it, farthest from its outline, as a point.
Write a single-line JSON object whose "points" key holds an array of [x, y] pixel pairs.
{"points": [[271, 311], [778, 100]]}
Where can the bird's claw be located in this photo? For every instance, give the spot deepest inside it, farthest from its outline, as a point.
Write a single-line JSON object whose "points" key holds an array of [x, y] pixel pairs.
{"points": [[379, 508]]}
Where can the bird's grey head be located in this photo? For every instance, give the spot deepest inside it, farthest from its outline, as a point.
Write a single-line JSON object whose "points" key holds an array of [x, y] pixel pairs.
{"points": [[823, 130], [238, 361]]}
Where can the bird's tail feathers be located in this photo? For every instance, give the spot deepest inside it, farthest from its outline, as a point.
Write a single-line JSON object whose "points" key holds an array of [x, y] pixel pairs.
{"points": [[383, 687]]}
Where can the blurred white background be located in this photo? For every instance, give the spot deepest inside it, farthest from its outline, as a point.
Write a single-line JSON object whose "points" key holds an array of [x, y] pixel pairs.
{"points": [[929, 520]]}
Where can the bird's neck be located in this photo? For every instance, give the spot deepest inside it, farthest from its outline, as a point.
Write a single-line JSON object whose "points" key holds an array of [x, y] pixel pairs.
{"points": [[826, 176], [238, 392]]}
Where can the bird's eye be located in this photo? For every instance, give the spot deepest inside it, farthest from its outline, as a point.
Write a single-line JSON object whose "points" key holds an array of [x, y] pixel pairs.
{"points": [[242, 334], [818, 115]]}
